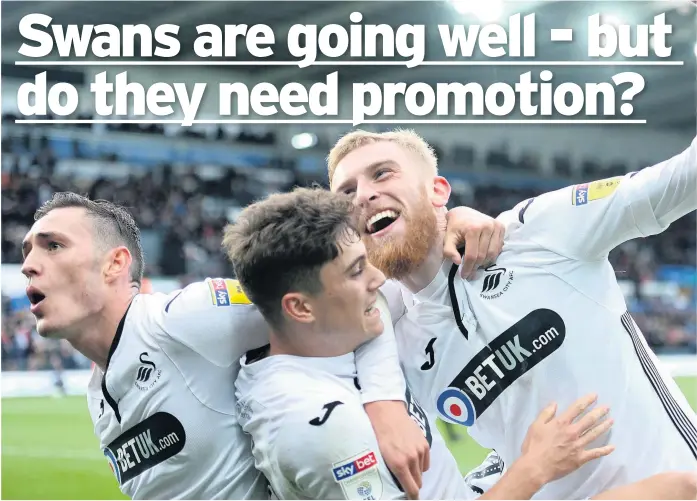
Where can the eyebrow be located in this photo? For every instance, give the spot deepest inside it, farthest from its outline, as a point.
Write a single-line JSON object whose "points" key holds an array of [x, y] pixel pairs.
{"points": [[43, 235], [355, 262], [371, 168]]}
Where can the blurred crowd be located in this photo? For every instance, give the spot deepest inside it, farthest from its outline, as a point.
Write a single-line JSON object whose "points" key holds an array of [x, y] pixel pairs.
{"points": [[182, 213]]}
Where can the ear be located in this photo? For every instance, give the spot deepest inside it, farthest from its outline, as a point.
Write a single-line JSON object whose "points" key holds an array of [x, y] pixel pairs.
{"points": [[441, 192], [118, 263], [298, 307]]}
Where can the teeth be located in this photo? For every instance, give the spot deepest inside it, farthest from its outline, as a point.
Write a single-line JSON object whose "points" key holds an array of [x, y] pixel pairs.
{"points": [[377, 217]]}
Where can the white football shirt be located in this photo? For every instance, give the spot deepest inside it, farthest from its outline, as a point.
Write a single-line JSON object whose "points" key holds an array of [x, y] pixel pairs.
{"points": [[548, 322], [165, 409], [486, 475], [312, 438]]}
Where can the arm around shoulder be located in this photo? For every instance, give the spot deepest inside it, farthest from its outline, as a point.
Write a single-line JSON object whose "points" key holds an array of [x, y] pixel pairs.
{"points": [[215, 319], [377, 363]]}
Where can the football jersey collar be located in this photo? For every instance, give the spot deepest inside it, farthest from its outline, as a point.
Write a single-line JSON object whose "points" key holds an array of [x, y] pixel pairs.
{"points": [[343, 365], [112, 349], [434, 290]]}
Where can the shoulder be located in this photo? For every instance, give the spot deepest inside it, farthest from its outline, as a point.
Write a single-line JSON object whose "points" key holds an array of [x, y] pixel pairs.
{"points": [[215, 310], [210, 293], [301, 395], [392, 292], [318, 420], [221, 295]]}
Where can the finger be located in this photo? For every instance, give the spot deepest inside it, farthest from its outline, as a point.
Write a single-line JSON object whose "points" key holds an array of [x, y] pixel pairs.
{"points": [[416, 472], [484, 240], [471, 251], [596, 432], [426, 461], [495, 246], [408, 483], [590, 420], [599, 452], [547, 413], [578, 407], [450, 247]]}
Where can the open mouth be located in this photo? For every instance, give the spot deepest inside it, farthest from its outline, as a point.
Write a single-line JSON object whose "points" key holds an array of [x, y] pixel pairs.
{"points": [[35, 297], [381, 221], [372, 309]]}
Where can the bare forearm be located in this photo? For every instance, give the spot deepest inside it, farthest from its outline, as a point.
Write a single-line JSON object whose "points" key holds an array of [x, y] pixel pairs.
{"points": [[377, 363], [671, 485], [522, 481]]}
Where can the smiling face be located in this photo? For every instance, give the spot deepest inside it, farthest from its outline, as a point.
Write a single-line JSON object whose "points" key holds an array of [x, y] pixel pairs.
{"points": [[300, 259], [346, 305], [399, 197]]}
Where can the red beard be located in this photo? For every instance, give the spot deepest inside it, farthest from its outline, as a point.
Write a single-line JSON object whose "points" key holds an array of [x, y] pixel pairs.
{"points": [[398, 256]]}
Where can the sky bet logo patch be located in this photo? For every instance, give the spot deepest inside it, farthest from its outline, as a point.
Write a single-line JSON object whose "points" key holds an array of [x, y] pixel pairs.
{"points": [[225, 292], [584, 193], [220, 293], [350, 467]]}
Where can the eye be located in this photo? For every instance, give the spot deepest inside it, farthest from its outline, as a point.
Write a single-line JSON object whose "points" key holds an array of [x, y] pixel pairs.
{"points": [[358, 270], [53, 246], [379, 173], [349, 191]]}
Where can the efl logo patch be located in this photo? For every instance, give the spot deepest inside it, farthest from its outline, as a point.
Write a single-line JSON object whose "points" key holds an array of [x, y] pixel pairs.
{"points": [[359, 476], [584, 193], [347, 469], [225, 292]]}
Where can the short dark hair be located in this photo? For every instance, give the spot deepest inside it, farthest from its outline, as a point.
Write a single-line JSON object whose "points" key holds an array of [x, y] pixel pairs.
{"points": [[112, 223], [279, 245]]}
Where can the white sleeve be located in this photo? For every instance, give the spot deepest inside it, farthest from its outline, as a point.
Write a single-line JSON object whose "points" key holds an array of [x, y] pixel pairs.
{"points": [[215, 319], [340, 459], [377, 363], [484, 476], [587, 221]]}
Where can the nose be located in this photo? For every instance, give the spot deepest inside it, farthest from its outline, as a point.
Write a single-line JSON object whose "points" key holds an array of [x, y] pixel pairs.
{"points": [[365, 193], [30, 266], [377, 279]]}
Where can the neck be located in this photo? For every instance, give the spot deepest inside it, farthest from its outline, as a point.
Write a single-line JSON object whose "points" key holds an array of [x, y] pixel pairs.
{"points": [[427, 270], [307, 342], [95, 339]]}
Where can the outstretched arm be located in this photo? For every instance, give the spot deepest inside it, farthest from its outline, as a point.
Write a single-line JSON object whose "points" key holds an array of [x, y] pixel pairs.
{"points": [[587, 221], [669, 485]]}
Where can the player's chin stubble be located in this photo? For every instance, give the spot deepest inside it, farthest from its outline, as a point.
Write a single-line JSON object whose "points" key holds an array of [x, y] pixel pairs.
{"points": [[397, 257]]}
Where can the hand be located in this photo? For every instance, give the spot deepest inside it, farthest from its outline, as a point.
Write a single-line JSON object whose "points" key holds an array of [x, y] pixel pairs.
{"points": [[481, 235], [402, 443], [557, 445]]}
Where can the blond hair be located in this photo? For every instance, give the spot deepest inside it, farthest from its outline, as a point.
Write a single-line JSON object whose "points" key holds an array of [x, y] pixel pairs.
{"points": [[407, 139]]}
